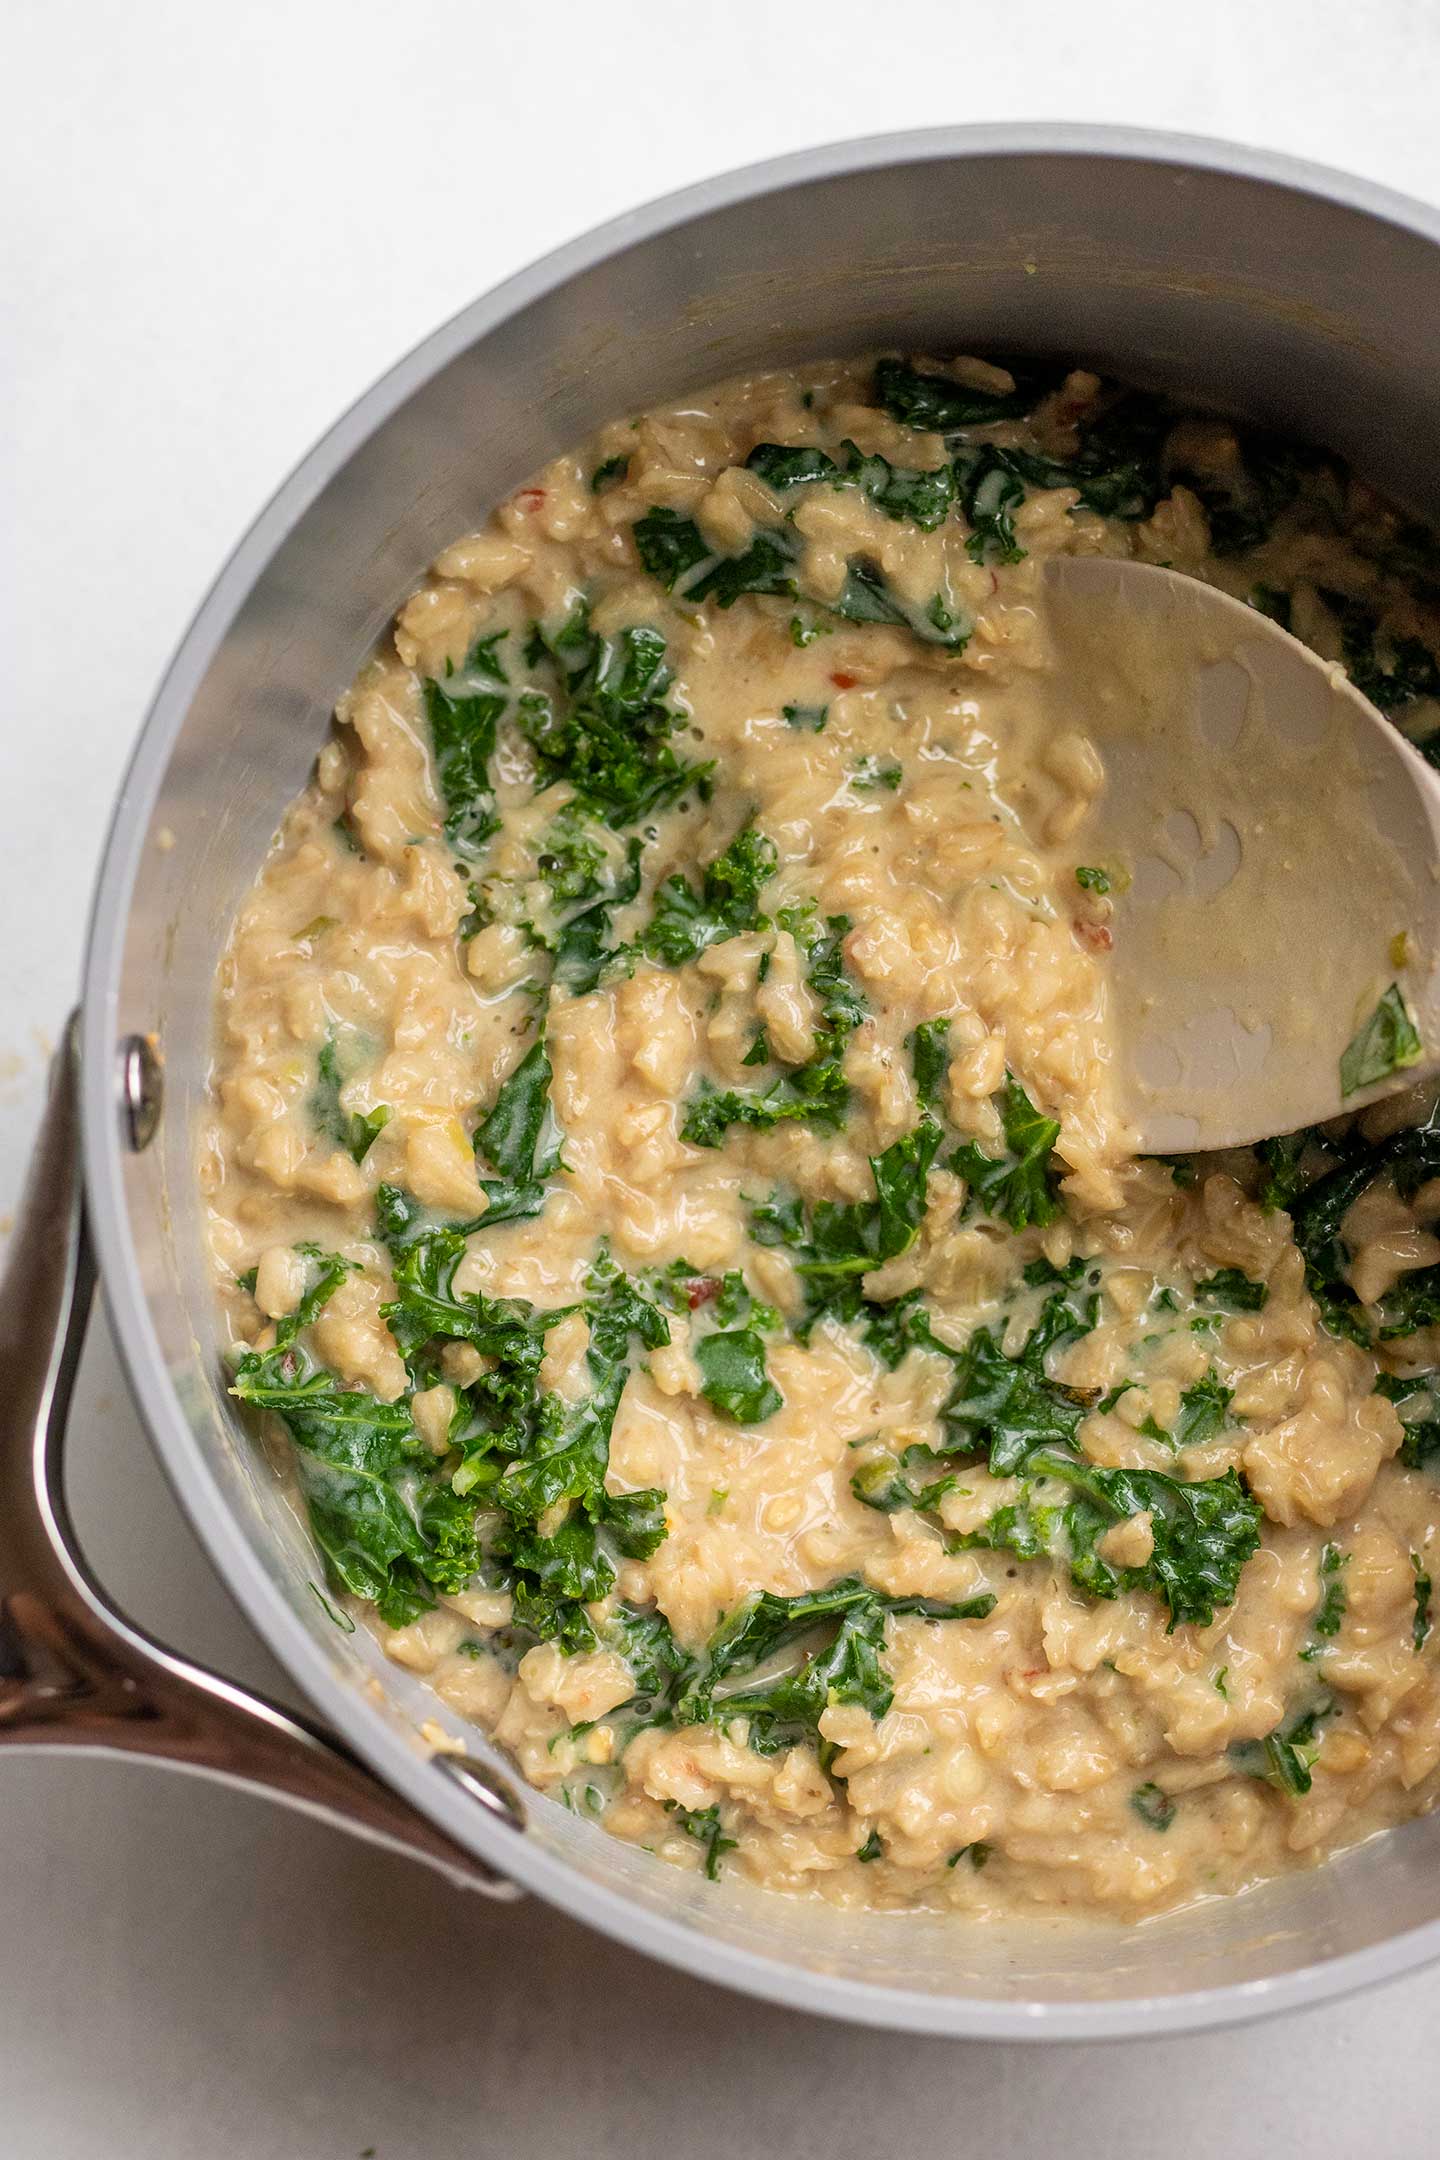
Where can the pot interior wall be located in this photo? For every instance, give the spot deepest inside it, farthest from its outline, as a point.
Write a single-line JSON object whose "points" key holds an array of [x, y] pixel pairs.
{"points": [[1248, 293]]}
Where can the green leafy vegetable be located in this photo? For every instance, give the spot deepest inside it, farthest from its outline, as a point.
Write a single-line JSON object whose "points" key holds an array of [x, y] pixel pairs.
{"points": [[1284, 1178], [1203, 1535], [1420, 1632], [685, 921], [1413, 1303], [462, 735], [607, 729], [1096, 881], [1320, 1207], [872, 1849], [1392, 672], [519, 1133], [1235, 1291], [1418, 1402], [1019, 1186], [587, 886], [675, 551], [609, 474], [354, 1130], [938, 403], [919, 498], [670, 544], [866, 598], [353, 1452], [846, 1669], [810, 719], [992, 489], [1388, 1041], [929, 1047], [1204, 1411], [733, 1375], [1008, 1407], [781, 466], [842, 1241], [1153, 1806], [873, 772], [704, 1824], [1285, 1757], [814, 1093], [672, 547], [1330, 1612]]}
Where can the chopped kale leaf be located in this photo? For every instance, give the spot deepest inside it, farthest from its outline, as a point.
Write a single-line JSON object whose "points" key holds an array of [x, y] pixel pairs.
{"points": [[873, 772], [686, 921], [929, 1047], [1387, 1043], [992, 489], [1418, 1402], [1019, 1186], [1392, 672], [815, 1093], [1235, 1291], [842, 1241], [1330, 1612], [938, 403], [1204, 1412], [354, 1130], [607, 728], [462, 735], [705, 1825], [1285, 1757], [908, 496], [1420, 1630], [733, 1375], [1203, 1534], [1153, 1806], [353, 1453], [670, 544], [587, 886], [847, 1669], [1008, 1407]]}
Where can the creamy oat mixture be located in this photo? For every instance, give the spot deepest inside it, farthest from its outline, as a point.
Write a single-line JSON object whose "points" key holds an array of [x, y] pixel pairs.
{"points": [[663, 1177]]}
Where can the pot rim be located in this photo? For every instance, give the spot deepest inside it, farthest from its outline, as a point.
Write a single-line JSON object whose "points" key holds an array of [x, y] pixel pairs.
{"points": [[348, 1709]]}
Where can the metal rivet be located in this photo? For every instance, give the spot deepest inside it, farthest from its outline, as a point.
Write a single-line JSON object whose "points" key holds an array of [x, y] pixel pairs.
{"points": [[141, 1087], [493, 1793]]}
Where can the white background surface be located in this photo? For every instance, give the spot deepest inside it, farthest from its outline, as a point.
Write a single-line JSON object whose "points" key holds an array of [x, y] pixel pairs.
{"points": [[221, 222]]}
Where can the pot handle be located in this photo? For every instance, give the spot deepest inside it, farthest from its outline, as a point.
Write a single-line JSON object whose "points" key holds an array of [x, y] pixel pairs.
{"points": [[74, 1672]]}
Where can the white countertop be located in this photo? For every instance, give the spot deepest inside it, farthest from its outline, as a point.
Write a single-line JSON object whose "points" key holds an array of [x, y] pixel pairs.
{"points": [[222, 223]]}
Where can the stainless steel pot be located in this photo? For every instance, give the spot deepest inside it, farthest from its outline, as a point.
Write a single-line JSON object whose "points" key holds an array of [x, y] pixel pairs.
{"points": [[1299, 296]]}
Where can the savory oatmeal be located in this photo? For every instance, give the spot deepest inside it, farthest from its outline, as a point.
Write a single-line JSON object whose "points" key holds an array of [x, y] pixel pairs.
{"points": [[664, 1179]]}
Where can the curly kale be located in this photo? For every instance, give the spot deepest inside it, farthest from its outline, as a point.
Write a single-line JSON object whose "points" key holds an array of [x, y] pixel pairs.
{"points": [[840, 1242], [686, 921], [815, 1093], [1018, 1187], [606, 728]]}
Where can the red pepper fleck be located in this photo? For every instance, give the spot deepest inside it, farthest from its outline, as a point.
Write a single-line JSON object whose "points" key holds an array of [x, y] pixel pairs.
{"points": [[1095, 935], [844, 682], [699, 1290], [529, 500]]}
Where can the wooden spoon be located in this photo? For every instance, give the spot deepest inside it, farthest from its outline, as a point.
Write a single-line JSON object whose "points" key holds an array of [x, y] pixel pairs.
{"points": [[1272, 850]]}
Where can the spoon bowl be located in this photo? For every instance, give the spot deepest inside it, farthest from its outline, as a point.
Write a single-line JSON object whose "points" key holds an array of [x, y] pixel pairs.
{"points": [[1270, 844]]}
